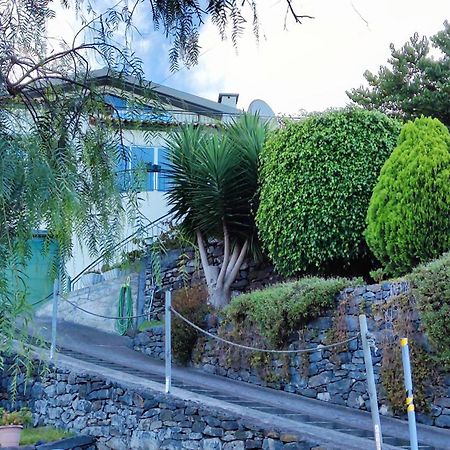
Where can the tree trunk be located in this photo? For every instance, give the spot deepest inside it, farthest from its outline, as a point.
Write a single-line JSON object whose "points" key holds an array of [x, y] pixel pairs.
{"points": [[219, 297], [219, 280]]}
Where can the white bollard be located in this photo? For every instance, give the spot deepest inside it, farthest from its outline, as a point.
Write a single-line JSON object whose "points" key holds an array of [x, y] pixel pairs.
{"points": [[54, 318], [168, 341], [371, 387]]}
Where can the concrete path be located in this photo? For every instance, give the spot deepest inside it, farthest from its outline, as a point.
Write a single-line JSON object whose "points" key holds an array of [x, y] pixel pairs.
{"points": [[115, 353]]}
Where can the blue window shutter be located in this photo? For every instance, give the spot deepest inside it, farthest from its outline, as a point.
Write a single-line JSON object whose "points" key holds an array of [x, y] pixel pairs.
{"points": [[164, 164], [122, 168], [141, 157]]}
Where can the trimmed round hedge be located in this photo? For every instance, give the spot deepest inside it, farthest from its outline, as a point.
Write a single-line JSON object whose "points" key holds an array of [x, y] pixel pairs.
{"points": [[317, 177], [409, 214]]}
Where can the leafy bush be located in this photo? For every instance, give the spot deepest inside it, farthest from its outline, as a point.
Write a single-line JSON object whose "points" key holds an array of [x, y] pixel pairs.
{"points": [[285, 308], [431, 289], [22, 416], [317, 177], [191, 303], [408, 217]]}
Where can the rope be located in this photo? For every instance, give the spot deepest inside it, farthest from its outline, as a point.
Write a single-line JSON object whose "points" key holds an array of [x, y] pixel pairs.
{"points": [[265, 350], [109, 317], [124, 310], [42, 300]]}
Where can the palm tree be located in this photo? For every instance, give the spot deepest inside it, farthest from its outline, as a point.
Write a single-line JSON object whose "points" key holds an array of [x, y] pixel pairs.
{"points": [[214, 194]]}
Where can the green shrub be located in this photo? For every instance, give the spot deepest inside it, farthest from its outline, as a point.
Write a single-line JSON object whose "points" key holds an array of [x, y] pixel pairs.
{"points": [[408, 217], [316, 180], [284, 308], [191, 303], [431, 289]]}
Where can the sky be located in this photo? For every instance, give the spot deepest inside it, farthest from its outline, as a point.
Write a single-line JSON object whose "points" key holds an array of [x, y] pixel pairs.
{"points": [[306, 66]]}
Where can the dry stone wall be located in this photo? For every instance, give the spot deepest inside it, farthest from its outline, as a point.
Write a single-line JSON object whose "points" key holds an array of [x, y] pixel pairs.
{"points": [[181, 268], [123, 418], [331, 375]]}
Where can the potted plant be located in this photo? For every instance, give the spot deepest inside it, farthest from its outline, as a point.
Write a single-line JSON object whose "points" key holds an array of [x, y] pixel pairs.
{"points": [[11, 425], [91, 277], [111, 271]]}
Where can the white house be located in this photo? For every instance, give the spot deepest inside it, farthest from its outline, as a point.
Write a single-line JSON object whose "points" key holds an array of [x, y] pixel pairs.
{"points": [[145, 128]]}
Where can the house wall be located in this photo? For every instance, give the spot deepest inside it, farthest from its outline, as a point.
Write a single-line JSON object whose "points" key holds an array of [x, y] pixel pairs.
{"points": [[152, 205], [101, 298]]}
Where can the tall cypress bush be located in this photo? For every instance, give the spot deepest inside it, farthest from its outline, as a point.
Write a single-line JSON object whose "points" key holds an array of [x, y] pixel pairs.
{"points": [[317, 176], [409, 214]]}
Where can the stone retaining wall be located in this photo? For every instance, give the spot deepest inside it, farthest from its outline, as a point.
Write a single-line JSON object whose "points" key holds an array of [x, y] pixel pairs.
{"points": [[180, 269], [332, 375], [121, 418]]}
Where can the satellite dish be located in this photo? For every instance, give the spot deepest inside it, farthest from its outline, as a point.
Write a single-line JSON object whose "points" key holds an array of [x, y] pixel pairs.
{"points": [[260, 107]]}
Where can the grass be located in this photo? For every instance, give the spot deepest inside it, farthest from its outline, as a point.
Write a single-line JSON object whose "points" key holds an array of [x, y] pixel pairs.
{"points": [[46, 434], [144, 326]]}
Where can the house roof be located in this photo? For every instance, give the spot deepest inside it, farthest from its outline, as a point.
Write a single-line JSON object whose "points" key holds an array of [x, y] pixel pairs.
{"points": [[171, 96]]}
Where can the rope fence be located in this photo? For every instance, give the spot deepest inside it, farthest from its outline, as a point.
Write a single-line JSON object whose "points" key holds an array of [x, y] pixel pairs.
{"points": [[213, 336], [111, 317], [255, 349]]}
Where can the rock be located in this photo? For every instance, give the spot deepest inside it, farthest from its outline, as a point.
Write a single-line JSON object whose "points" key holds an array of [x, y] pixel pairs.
{"points": [[321, 379], [229, 425], [310, 393], [444, 402], [352, 323], [212, 444], [234, 445], [355, 400], [213, 431], [339, 386], [144, 440], [195, 436], [385, 410], [117, 443], [272, 444], [252, 444], [443, 421], [324, 396], [285, 437], [193, 445], [142, 339], [102, 394], [198, 427]]}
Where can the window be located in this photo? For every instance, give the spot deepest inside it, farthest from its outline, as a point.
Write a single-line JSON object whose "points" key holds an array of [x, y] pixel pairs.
{"points": [[163, 175], [142, 161], [143, 168]]}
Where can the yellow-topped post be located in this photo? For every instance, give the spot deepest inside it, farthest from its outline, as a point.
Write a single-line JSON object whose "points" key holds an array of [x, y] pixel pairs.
{"points": [[409, 394]]}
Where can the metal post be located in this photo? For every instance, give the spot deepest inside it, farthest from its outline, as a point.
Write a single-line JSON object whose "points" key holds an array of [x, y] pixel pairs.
{"points": [[54, 318], [371, 383], [168, 343], [409, 394]]}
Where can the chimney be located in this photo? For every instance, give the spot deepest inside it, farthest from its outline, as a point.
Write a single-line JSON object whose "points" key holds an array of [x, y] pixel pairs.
{"points": [[228, 99]]}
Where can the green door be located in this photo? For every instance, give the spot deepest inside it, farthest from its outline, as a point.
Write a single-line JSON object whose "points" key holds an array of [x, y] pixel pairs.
{"points": [[36, 277]]}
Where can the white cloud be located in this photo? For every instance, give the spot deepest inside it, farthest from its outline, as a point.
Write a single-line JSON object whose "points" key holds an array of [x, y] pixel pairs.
{"points": [[308, 66], [311, 65]]}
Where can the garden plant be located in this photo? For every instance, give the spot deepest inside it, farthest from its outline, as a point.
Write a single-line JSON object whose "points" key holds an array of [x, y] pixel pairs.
{"points": [[213, 194], [407, 220], [317, 176]]}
